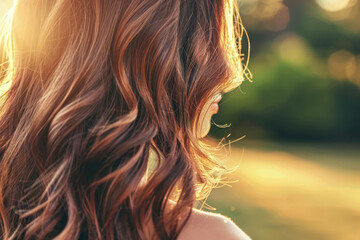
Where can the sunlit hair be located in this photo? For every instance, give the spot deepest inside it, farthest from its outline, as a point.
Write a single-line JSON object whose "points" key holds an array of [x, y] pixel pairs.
{"points": [[92, 88]]}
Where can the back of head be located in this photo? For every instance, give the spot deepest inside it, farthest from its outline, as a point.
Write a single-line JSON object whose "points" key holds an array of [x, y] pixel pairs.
{"points": [[91, 88]]}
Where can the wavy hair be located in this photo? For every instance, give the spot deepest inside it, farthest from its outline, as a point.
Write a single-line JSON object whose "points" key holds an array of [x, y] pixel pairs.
{"points": [[91, 89]]}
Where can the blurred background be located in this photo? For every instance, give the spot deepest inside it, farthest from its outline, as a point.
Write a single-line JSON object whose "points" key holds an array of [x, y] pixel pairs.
{"points": [[298, 174]]}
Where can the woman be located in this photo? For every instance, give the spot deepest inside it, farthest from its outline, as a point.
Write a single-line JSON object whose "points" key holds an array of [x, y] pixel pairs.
{"points": [[91, 89]]}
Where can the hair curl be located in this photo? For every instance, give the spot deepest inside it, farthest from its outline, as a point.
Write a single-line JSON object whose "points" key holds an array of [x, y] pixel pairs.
{"points": [[90, 89]]}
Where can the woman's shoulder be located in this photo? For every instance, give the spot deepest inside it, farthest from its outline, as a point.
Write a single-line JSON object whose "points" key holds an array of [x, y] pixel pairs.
{"points": [[211, 226]]}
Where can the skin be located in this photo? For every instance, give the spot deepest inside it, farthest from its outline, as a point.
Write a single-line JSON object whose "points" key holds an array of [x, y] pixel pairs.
{"points": [[204, 225], [210, 108], [210, 226]]}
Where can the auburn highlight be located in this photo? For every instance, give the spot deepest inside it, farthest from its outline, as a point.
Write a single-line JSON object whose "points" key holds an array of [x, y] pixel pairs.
{"points": [[92, 91]]}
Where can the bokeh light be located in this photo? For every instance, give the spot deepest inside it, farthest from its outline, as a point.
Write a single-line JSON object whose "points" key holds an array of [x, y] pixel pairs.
{"points": [[273, 15], [292, 48], [335, 5], [279, 21], [344, 65]]}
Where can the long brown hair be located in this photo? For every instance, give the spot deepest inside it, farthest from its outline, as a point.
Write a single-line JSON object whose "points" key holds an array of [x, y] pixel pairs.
{"points": [[91, 88]]}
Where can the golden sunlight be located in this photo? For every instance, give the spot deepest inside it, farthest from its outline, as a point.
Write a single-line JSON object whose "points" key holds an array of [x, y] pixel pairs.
{"points": [[335, 5], [4, 6], [318, 198]]}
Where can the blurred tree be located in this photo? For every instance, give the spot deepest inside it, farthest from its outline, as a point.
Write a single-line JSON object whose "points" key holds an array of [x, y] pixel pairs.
{"points": [[294, 96]]}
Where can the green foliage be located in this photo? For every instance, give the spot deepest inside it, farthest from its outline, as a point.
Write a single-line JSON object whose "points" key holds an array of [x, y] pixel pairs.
{"points": [[288, 101], [293, 95]]}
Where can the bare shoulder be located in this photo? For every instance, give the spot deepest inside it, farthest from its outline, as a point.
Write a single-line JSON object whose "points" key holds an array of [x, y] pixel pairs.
{"points": [[211, 226]]}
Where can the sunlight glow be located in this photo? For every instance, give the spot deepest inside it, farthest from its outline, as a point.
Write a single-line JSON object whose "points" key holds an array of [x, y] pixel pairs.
{"points": [[4, 6], [310, 195], [334, 5]]}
